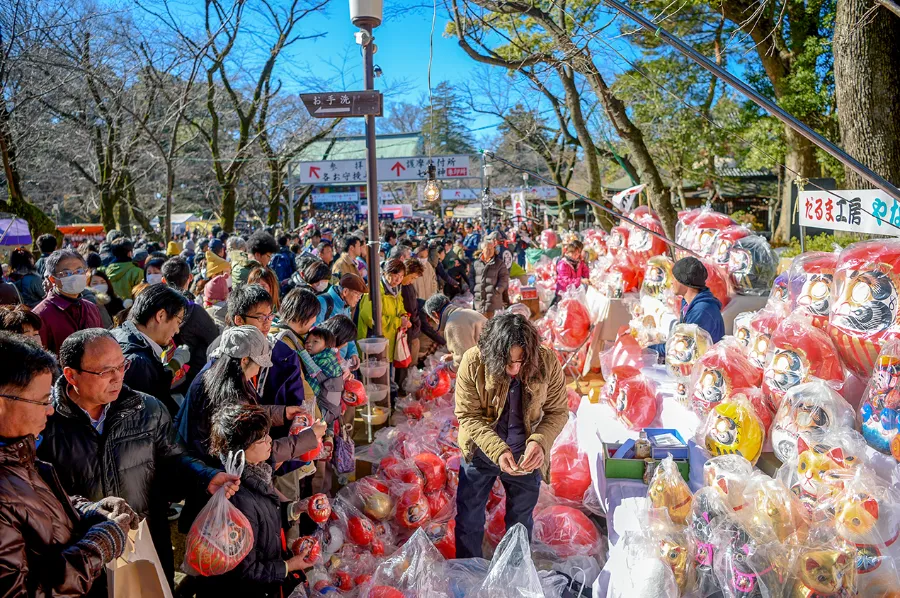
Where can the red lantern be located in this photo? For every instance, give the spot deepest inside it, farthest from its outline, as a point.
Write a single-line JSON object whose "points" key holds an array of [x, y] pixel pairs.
{"points": [[718, 373], [798, 352], [570, 473], [307, 542], [572, 323], [433, 469], [864, 314], [443, 536], [412, 508], [566, 530], [809, 285], [360, 530]]}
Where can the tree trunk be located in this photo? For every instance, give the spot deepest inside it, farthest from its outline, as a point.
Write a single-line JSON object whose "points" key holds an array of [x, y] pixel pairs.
{"points": [[801, 158], [229, 201], [38, 222], [276, 186], [867, 88], [123, 219], [107, 209], [170, 200]]}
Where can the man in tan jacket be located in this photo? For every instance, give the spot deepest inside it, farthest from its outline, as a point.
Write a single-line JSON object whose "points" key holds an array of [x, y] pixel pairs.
{"points": [[351, 245], [511, 406], [460, 327]]}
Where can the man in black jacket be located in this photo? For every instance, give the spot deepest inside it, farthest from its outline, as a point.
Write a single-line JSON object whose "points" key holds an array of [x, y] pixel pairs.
{"points": [[153, 322], [106, 439], [198, 330]]}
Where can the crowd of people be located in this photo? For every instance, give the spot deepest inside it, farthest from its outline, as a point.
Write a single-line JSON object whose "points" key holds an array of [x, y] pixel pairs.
{"points": [[133, 367]]}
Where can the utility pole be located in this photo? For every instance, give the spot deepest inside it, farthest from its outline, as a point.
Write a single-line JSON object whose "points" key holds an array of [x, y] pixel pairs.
{"points": [[487, 169], [366, 14], [291, 199]]}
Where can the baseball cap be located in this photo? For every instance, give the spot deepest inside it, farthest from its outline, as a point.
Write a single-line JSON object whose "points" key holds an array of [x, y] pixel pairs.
{"points": [[245, 341]]}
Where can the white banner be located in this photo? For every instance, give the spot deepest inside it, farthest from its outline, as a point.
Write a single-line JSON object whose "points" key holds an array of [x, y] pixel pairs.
{"points": [[624, 200], [863, 211], [389, 170], [470, 194], [326, 198]]}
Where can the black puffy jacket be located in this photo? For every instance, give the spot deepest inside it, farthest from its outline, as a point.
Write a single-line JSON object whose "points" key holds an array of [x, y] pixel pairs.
{"points": [[146, 373], [137, 457], [491, 279], [197, 331]]}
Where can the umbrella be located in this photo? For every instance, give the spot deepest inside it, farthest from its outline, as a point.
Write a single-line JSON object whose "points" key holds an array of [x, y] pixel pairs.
{"points": [[14, 232]]}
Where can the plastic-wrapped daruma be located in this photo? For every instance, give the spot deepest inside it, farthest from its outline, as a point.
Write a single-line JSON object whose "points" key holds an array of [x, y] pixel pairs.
{"points": [[864, 311], [809, 285], [566, 530]]}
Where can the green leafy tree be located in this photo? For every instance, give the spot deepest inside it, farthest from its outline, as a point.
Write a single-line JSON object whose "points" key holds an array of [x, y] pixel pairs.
{"points": [[445, 124]]}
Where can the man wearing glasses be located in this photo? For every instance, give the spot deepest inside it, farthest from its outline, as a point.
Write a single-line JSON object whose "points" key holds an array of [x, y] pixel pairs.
{"points": [[153, 322], [107, 439], [63, 310], [51, 544]]}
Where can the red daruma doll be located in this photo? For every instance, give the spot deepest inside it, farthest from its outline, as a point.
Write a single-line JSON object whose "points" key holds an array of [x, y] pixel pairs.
{"points": [[809, 285], [864, 313]]}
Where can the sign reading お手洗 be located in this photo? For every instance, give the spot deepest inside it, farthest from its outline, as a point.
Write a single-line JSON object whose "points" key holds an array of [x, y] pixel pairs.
{"points": [[863, 211]]}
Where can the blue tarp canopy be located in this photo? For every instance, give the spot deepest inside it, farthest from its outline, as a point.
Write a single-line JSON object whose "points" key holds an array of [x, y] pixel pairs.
{"points": [[14, 232]]}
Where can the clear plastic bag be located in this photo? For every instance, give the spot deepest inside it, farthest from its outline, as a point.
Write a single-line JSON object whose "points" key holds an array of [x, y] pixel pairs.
{"points": [[810, 410], [657, 277], [512, 572], [773, 513], [746, 568], [669, 491], [220, 536], [570, 473], [879, 408], [636, 569], [752, 265], [708, 511], [729, 475], [732, 427], [864, 310], [824, 570], [809, 285], [686, 345], [633, 397], [641, 244], [798, 351], [742, 329], [417, 569], [572, 321], [718, 373]]}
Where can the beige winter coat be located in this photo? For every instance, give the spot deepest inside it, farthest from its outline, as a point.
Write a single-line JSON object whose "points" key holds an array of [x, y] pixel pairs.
{"points": [[461, 328]]}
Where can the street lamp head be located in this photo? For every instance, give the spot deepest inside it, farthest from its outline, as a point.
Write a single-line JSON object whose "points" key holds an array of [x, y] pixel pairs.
{"points": [[366, 13]]}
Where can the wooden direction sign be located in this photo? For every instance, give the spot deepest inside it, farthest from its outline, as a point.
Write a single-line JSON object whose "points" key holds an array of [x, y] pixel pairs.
{"points": [[336, 104]]}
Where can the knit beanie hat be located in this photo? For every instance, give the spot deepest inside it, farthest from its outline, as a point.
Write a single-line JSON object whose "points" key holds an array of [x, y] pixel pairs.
{"points": [[216, 290], [215, 265], [690, 272], [173, 248]]}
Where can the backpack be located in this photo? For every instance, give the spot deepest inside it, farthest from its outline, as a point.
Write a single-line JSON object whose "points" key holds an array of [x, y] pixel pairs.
{"points": [[283, 265]]}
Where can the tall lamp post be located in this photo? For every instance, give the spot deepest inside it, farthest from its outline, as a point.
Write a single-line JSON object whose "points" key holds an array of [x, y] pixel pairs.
{"points": [[366, 14]]}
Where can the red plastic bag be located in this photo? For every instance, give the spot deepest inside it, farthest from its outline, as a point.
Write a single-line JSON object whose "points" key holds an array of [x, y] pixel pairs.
{"points": [[220, 536], [570, 472]]}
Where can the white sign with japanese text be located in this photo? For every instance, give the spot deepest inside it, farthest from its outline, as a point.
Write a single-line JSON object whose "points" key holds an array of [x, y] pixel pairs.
{"points": [[389, 170], [864, 211], [327, 198], [624, 200], [541, 192]]}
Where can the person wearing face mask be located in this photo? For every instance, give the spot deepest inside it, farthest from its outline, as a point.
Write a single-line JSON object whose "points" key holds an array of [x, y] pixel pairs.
{"points": [[426, 285], [153, 271], [104, 297], [64, 310], [123, 273]]}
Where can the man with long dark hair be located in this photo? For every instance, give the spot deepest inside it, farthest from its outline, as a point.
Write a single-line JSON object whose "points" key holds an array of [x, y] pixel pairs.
{"points": [[511, 405]]}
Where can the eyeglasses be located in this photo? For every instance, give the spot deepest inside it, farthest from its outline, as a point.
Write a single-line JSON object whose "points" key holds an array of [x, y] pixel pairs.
{"points": [[33, 402], [265, 318], [68, 273], [108, 372]]}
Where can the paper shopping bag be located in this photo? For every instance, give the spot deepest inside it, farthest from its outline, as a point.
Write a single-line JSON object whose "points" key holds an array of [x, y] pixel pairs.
{"points": [[138, 572]]}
